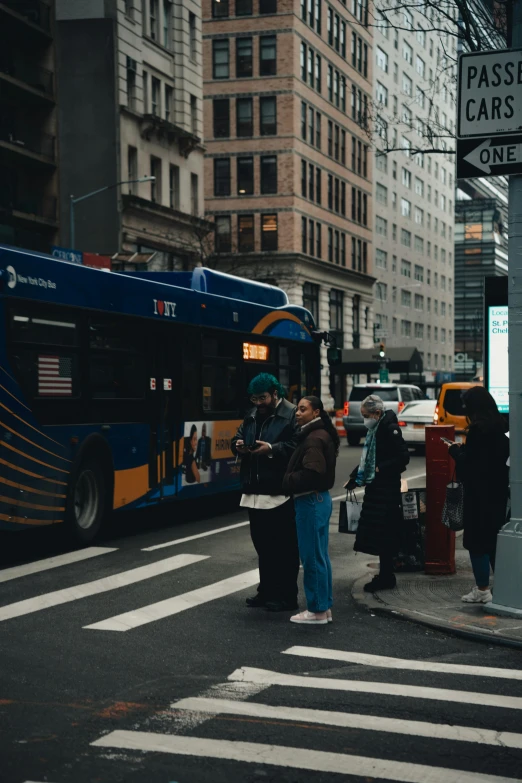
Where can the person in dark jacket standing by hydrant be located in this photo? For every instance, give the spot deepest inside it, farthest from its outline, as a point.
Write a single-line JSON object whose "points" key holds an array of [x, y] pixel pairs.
{"points": [[309, 476], [481, 466], [265, 441], [384, 457]]}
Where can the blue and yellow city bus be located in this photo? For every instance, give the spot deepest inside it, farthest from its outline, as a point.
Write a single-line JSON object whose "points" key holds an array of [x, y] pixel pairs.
{"points": [[124, 390]]}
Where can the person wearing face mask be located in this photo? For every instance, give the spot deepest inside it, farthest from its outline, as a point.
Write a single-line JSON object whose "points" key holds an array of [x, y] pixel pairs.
{"points": [[384, 457], [265, 442], [309, 477]]}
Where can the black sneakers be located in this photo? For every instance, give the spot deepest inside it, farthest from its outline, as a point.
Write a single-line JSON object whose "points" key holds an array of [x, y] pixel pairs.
{"points": [[256, 602]]}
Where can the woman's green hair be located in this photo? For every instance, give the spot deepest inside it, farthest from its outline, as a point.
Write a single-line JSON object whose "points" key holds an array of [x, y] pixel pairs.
{"points": [[264, 382]]}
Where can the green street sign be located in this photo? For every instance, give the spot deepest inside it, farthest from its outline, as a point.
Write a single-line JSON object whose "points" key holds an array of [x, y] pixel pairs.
{"points": [[384, 376]]}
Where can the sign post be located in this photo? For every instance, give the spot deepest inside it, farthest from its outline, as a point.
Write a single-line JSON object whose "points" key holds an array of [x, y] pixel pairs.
{"points": [[490, 112]]}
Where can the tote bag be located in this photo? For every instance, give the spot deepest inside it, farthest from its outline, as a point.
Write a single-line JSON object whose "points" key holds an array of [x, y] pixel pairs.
{"points": [[453, 510], [349, 513]]}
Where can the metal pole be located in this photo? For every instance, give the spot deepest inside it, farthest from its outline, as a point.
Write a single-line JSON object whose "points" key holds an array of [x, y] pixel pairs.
{"points": [[507, 598], [72, 232]]}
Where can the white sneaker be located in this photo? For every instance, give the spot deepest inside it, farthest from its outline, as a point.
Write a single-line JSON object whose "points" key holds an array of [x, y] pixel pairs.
{"points": [[476, 596]]}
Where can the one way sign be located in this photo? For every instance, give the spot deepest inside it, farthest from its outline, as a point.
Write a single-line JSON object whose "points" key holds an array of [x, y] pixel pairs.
{"points": [[489, 157]]}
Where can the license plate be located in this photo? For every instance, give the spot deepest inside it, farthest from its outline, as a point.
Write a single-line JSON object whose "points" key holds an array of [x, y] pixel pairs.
{"points": [[418, 426]]}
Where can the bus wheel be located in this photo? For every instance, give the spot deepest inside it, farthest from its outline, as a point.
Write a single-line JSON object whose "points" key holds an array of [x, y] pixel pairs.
{"points": [[86, 504]]}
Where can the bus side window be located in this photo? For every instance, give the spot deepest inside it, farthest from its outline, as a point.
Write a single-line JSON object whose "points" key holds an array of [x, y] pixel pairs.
{"points": [[117, 361], [220, 376]]}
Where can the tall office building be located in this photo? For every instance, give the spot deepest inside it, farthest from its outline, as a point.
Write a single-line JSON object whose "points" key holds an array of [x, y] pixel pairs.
{"points": [[131, 102], [28, 118], [414, 193], [288, 164]]}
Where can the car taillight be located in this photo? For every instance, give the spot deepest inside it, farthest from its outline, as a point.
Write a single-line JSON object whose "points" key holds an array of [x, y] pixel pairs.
{"points": [[402, 405], [436, 415], [402, 424], [346, 408]]}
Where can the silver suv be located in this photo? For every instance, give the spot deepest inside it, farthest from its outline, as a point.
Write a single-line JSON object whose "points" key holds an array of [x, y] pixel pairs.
{"points": [[394, 395]]}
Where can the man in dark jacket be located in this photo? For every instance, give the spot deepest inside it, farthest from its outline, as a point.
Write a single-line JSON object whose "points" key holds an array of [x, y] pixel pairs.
{"points": [[204, 449], [265, 442]]}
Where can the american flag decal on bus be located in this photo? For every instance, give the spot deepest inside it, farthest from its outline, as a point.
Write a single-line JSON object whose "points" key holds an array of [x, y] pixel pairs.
{"points": [[54, 376]]}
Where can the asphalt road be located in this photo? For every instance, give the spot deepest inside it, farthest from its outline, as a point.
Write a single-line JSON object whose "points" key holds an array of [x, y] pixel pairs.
{"points": [[143, 665]]}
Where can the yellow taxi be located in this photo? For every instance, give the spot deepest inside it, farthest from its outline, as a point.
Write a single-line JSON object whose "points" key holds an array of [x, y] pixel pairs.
{"points": [[450, 408]]}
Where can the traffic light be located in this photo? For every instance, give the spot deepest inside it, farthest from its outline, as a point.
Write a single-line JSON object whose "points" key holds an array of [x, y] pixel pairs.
{"points": [[382, 350]]}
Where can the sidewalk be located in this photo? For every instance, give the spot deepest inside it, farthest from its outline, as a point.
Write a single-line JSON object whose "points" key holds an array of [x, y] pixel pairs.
{"points": [[435, 601]]}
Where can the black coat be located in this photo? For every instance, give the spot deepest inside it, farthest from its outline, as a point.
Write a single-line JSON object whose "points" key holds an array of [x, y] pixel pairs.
{"points": [[481, 466], [312, 465], [378, 531], [263, 475]]}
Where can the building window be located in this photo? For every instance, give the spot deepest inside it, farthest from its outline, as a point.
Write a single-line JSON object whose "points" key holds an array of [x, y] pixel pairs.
{"points": [[129, 9], [303, 179], [243, 57], [154, 20], [243, 7], [245, 176], [220, 59], [311, 300], [244, 117], [304, 241], [155, 185], [194, 194], [221, 111], [194, 114], [145, 92], [267, 55], [268, 232], [336, 302], [174, 187], [223, 234], [155, 95], [222, 176], [193, 36], [268, 116], [219, 8], [330, 245], [268, 6], [132, 75], [168, 102], [318, 243], [167, 16], [381, 259], [269, 174], [132, 168], [245, 233]]}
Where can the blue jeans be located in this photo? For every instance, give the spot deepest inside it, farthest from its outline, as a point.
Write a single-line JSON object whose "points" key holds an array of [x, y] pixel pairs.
{"points": [[480, 565], [312, 515]]}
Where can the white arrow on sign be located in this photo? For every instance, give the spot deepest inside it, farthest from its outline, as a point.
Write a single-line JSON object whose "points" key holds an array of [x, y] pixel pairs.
{"points": [[485, 156]]}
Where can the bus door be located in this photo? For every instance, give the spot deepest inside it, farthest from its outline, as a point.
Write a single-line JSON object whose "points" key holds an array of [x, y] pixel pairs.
{"points": [[164, 404]]}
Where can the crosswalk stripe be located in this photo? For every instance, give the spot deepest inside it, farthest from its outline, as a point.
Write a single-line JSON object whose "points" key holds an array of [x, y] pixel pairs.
{"points": [[294, 758], [179, 603], [502, 739], [193, 538], [265, 677], [401, 663], [122, 579], [54, 562]]}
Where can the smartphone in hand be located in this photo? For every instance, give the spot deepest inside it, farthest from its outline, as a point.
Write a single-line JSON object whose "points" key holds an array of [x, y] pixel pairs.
{"points": [[448, 442]]}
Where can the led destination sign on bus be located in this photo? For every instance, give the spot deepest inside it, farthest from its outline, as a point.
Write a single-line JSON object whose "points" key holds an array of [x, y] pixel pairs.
{"points": [[255, 353]]}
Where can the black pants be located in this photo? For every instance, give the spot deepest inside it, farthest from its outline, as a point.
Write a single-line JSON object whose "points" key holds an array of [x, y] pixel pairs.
{"points": [[274, 537]]}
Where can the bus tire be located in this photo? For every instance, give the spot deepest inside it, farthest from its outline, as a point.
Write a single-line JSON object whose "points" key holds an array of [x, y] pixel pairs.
{"points": [[86, 505]]}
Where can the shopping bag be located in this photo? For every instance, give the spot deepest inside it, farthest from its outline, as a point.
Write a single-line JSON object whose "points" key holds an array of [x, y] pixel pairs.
{"points": [[453, 510], [349, 513]]}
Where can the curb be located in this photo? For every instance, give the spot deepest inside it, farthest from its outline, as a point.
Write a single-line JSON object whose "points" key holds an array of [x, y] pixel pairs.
{"points": [[373, 603]]}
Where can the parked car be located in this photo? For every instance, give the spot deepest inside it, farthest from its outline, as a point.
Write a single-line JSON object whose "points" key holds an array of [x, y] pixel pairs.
{"points": [[450, 408], [394, 395], [413, 421]]}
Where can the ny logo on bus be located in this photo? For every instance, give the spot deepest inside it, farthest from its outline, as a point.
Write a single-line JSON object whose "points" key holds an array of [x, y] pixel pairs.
{"points": [[162, 307]]}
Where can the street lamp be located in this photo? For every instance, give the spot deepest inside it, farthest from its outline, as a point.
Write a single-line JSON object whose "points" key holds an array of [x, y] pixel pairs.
{"points": [[73, 201]]}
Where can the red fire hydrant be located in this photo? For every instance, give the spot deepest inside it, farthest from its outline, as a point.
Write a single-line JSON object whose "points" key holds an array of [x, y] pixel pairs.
{"points": [[439, 540]]}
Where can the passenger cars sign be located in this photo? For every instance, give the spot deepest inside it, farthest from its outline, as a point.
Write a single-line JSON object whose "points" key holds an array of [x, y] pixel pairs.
{"points": [[490, 93]]}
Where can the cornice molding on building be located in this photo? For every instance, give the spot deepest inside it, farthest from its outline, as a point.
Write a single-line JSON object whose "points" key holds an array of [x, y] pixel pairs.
{"points": [[138, 204]]}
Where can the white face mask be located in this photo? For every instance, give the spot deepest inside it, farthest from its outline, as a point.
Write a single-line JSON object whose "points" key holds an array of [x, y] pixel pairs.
{"points": [[370, 423]]}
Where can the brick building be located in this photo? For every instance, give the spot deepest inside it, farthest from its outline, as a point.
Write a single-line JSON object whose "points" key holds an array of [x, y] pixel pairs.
{"points": [[287, 166]]}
